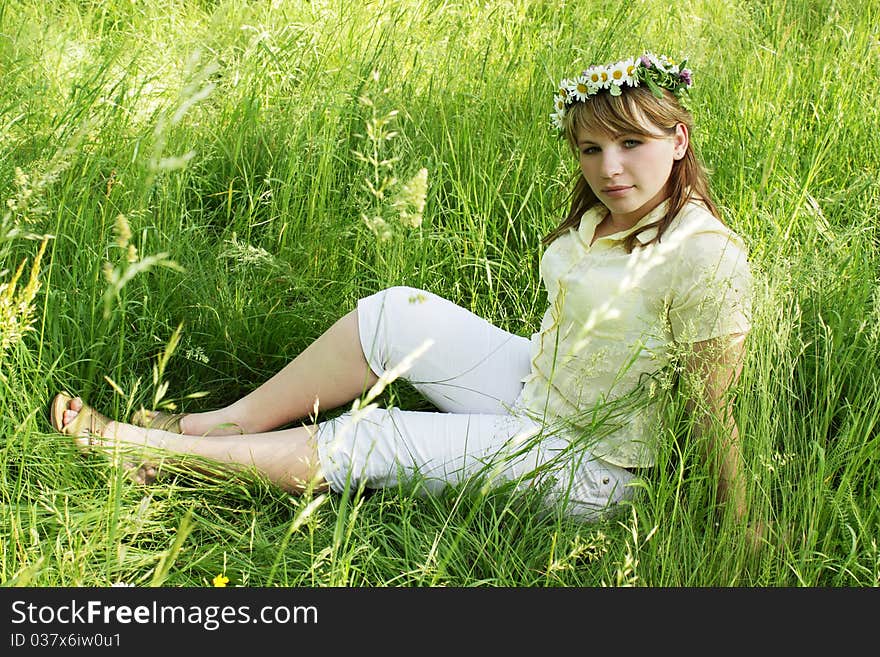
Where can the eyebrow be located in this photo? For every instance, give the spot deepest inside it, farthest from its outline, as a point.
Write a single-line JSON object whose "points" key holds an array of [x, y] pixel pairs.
{"points": [[614, 137], [582, 142]]}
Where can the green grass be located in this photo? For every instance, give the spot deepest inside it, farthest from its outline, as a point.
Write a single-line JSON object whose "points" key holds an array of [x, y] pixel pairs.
{"points": [[226, 133]]}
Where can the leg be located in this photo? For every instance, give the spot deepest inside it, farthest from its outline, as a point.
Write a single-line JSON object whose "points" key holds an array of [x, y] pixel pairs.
{"points": [[471, 367], [287, 458], [388, 446], [331, 371]]}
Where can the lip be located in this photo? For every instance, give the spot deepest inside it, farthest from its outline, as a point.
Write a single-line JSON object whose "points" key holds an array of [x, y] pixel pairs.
{"points": [[616, 190]]}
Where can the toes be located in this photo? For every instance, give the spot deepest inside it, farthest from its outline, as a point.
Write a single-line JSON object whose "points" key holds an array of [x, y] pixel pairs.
{"points": [[145, 475], [149, 473], [75, 404], [140, 474], [68, 416]]}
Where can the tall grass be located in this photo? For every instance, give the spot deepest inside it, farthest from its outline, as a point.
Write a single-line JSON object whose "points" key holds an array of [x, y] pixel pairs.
{"points": [[235, 141]]}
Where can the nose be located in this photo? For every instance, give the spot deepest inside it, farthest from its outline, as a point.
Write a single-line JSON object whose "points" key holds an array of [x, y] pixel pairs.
{"points": [[611, 164]]}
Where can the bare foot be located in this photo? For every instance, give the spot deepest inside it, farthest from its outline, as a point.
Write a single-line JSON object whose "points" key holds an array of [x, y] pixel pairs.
{"points": [[90, 430]]}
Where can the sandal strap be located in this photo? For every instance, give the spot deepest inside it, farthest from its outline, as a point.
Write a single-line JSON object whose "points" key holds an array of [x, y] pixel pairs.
{"points": [[160, 420], [91, 420]]}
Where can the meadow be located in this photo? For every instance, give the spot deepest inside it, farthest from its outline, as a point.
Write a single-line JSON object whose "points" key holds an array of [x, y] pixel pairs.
{"points": [[193, 191]]}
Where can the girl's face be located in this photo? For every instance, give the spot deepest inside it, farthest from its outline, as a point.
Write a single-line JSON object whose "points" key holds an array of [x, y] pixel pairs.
{"points": [[628, 172]]}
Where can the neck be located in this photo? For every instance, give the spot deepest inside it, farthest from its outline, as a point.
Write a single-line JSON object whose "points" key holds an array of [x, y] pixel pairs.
{"points": [[630, 219], [615, 221]]}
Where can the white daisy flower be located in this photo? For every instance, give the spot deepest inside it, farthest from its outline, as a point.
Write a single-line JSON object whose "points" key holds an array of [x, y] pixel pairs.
{"points": [[617, 73], [597, 77], [556, 119], [580, 88], [630, 66], [559, 103], [664, 63], [564, 87]]}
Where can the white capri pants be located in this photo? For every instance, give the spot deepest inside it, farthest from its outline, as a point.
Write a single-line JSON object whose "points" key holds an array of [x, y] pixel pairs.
{"points": [[472, 373]]}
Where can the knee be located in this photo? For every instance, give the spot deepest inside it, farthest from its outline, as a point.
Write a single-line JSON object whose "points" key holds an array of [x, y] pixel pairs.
{"points": [[359, 449], [392, 303], [392, 323], [402, 295]]}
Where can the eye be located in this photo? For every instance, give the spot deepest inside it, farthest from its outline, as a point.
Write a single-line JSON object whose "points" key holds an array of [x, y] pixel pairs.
{"points": [[631, 143], [589, 150]]}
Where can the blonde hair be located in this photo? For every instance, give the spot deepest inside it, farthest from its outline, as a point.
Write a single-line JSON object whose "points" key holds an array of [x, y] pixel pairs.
{"points": [[637, 111]]}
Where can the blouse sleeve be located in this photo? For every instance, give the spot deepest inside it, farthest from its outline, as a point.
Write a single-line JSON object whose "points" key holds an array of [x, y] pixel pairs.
{"points": [[713, 292]]}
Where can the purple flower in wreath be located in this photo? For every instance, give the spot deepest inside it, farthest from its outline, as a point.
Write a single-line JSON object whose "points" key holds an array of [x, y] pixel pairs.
{"points": [[685, 76]]}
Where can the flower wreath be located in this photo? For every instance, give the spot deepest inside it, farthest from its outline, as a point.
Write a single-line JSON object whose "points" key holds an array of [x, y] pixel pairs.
{"points": [[655, 71]]}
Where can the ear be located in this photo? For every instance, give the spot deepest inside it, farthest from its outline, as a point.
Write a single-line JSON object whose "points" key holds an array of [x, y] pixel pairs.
{"points": [[680, 141]]}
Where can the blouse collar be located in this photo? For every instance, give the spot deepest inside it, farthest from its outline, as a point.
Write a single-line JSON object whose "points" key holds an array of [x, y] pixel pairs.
{"points": [[593, 217]]}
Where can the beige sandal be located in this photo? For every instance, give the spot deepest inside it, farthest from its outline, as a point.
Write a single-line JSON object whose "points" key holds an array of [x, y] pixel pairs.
{"points": [[88, 423], [87, 428], [157, 420]]}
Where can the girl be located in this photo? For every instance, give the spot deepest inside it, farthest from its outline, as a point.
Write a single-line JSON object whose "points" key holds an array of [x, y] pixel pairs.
{"points": [[643, 279]]}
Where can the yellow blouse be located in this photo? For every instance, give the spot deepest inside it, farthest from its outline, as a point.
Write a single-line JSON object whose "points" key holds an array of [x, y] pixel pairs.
{"points": [[614, 319]]}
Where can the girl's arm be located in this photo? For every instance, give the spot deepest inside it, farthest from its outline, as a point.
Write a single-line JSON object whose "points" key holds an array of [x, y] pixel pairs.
{"points": [[712, 370]]}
